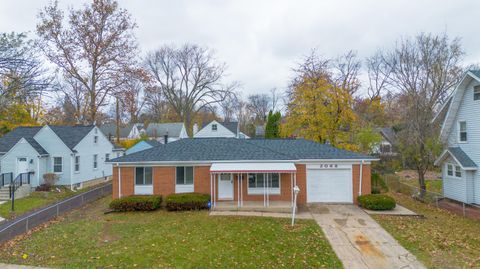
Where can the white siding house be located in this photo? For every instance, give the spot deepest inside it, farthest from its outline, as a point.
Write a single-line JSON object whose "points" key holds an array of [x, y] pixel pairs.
{"points": [[77, 154], [460, 134], [219, 129]]}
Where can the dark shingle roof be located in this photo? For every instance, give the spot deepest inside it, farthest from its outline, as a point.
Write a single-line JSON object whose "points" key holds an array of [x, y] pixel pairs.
{"points": [[476, 72], [10, 139], [71, 135], [160, 129], [231, 149], [307, 149], [462, 157], [389, 134], [110, 129], [153, 143]]}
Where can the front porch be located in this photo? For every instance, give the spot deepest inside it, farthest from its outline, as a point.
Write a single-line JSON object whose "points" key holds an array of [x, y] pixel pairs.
{"points": [[255, 187]]}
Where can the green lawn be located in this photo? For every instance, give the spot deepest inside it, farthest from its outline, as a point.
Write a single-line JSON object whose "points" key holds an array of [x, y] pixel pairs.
{"points": [[35, 200], [433, 185], [87, 238], [440, 240]]}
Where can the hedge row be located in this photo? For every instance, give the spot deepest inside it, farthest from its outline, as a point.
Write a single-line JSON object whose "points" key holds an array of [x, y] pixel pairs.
{"points": [[174, 202], [187, 201], [137, 203], [376, 202]]}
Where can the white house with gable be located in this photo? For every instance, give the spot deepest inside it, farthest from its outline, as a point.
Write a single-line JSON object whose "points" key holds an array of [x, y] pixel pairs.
{"points": [[77, 154], [460, 134], [219, 129]]}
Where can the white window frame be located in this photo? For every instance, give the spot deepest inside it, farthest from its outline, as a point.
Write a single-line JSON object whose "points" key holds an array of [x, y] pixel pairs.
{"points": [[182, 188], [107, 157], [95, 139], [476, 93], [143, 180], [450, 168], [460, 131], [95, 161], [261, 190], [214, 127], [76, 165], [53, 165], [458, 169]]}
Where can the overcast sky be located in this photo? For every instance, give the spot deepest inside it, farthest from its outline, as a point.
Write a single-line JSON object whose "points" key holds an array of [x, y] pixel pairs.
{"points": [[260, 41]]}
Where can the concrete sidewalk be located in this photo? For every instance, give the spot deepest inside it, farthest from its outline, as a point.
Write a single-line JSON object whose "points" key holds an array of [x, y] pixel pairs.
{"points": [[359, 241]]}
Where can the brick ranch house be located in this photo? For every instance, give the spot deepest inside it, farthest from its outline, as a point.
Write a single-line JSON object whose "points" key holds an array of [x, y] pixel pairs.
{"points": [[242, 171]]}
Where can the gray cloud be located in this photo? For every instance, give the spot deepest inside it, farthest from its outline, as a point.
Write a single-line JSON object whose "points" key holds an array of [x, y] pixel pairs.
{"points": [[262, 40]]}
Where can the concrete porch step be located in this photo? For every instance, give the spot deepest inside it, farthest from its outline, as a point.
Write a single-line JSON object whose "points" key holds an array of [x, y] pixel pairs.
{"points": [[277, 207]]}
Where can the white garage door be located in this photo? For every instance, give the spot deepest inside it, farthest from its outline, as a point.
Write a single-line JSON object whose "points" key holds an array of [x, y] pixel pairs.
{"points": [[329, 186]]}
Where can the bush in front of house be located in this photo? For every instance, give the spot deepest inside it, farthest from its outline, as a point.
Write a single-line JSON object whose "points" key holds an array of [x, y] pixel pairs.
{"points": [[50, 179], [187, 201], [137, 203], [376, 202], [43, 187]]}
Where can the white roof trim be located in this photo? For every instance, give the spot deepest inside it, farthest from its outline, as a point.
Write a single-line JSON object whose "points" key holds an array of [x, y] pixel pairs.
{"points": [[444, 154], [253, 167]]}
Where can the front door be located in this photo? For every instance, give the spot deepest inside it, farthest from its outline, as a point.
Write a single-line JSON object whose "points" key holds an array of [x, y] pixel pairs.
{"points": [[22, 165], [225, 187]]}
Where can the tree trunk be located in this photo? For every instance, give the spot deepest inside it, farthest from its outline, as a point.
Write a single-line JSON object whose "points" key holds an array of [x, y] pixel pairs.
{"points": [[421, 183]]}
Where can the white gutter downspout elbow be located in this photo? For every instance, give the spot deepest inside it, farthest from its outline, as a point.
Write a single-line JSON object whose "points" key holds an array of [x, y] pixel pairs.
{"points": [[361, 177]]}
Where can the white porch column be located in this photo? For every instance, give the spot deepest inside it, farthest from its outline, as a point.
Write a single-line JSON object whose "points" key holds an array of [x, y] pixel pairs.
{"points": [[238, 190], [119, 182], [264, 192], [214, 190]]}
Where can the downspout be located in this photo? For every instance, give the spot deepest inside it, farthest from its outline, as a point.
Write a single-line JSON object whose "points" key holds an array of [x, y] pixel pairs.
{"points": [[119, 182], [361, 177]]}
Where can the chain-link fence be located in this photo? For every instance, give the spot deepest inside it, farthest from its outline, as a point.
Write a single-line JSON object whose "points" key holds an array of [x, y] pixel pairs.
{"points": [[394, 184], [22, 224]]}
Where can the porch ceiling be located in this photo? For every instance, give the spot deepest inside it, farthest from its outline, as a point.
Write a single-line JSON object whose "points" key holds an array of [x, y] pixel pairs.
{"points": [[253, 168]]}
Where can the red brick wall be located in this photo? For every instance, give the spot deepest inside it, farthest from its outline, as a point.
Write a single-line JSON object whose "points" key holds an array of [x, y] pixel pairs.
{"points": [[127, 178], [366, 180], [164, 183], [163, 180]]}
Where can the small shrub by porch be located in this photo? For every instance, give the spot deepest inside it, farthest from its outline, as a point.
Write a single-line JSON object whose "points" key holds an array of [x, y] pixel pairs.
{"points": [[376, 202], [137, 203], [187, 201]]}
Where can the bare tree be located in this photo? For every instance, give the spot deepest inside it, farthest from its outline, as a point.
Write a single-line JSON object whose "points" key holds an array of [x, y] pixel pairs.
{"points": [[379, 73], [189, 78], [275, 97], [131, 94], [259, 105], [424, 69], [230, 103], [95, 46], [23, 77], [346, 72]]}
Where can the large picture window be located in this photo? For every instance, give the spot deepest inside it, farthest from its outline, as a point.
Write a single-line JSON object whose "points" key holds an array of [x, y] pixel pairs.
{"points": [[143, 176], [258, 181], [184, 175]]}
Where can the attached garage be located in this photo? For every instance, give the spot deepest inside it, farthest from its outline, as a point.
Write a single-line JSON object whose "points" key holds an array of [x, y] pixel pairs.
{"points": [[329, 185]]}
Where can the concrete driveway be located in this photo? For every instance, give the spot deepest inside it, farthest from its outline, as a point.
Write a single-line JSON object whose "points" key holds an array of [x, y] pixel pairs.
{"points": [[358, 240]]}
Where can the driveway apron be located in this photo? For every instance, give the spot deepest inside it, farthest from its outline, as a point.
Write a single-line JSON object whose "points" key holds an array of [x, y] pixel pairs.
{"points": [[358, 240]]}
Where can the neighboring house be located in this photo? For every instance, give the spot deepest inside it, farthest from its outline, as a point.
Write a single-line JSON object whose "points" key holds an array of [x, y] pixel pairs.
{"points": [[126, 131], [245, 170], [460, 134], [143, 145], [77, 154], [259, 131], [219, 129], [166, 132], [387, 146]]}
